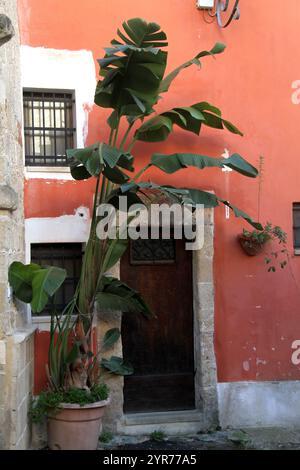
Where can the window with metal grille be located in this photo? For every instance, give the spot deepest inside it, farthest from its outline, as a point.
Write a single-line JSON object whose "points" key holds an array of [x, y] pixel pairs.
{"points": [[296, 227], [48, 127], [62, 255]]}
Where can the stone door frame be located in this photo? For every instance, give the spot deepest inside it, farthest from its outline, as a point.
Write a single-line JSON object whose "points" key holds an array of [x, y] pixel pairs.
{"points": [[205, 414]]}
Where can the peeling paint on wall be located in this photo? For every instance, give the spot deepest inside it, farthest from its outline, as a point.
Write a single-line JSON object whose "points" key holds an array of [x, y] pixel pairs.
{"points": [[59, 69]]}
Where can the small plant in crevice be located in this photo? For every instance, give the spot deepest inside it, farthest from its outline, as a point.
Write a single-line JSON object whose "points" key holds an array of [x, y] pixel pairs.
{"points": [[239, 438], [157, 436]]}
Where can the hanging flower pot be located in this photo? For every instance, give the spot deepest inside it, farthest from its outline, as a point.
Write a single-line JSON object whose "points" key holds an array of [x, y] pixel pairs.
{"points": [[253, 242], [250, 246]]}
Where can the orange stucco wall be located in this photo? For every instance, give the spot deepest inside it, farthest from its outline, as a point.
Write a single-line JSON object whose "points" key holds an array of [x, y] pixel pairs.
{"points": [[257, 313]]}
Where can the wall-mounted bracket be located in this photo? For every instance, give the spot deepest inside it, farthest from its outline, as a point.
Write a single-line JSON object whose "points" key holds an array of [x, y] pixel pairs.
{"points": [[219, 9]]}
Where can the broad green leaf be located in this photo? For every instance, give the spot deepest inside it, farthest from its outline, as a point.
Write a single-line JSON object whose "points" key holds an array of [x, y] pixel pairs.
{"points": [[211, 200], [45, 282], [115, 295], [239, 213], [115, 175], [132, 198], [20, 278], [132, 69], [189, 118], [189, 196], [156, 129], [166, 82], [115, 250], [113, 302], [117, 366], [110, 338], [113, 120], [213, 118], [197, 196], [74, 353], [34, 284], [92, 160], [237, 163], [172, 163]]}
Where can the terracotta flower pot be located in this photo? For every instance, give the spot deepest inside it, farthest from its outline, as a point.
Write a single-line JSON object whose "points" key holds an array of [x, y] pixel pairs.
{"points": [[76, 427], [250, 246]]}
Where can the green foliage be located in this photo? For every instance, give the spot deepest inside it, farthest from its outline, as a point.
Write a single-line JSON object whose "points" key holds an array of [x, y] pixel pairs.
{"points": [[166, 82], [133, 69], [269, 232], [110, 338], [117, 365], [48, 402], [132, 75], [106, 437], [157, 436], [60, 354], [188, 118], [172, 163], [98, 158], [35, 284], [115, 295]]}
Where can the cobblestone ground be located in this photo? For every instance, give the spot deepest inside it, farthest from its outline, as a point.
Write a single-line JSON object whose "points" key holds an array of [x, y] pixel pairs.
{"points": [[247, 439]]}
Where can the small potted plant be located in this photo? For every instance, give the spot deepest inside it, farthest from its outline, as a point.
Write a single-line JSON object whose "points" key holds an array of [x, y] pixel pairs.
{"points": [[253, 242]]}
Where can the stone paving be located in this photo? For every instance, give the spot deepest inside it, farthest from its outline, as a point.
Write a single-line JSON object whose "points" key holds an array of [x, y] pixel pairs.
{"points": [[241, 439]]}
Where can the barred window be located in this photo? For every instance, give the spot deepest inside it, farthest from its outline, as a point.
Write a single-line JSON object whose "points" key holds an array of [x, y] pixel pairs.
{"points": [[48, 127], [62, 255], [296, 226]]}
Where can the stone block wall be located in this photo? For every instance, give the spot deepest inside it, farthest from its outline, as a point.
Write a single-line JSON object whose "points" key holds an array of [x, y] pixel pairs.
{"points": [[16, 339]]}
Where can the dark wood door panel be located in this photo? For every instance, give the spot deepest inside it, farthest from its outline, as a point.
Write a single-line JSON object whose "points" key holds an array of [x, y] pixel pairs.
{"points": [[174, 392], [161, 349]]}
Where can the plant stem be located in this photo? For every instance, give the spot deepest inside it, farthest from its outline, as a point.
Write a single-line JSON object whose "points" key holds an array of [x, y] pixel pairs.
{"points": [[116, 133], [132, 144], [95, 204], [139, 174], [126, 135]]}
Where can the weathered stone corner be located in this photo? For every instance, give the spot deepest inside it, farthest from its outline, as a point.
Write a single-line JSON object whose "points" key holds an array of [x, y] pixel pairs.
{"points": [[6, 29], [8, 198]]}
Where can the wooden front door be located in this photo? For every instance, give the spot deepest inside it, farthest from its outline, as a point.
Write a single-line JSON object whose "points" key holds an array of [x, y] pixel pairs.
{"points": [[161, 349]]}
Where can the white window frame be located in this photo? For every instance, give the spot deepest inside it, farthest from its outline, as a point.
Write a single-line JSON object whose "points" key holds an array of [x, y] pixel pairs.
{"points": [[64, 229], [60, 71]]}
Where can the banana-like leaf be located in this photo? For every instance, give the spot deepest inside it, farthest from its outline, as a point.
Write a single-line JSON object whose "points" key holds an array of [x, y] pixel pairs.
{"points": [[177, 161], [110, 338], [115, 250], [115, 175], [92, 160], [189, 118], [45, 283], [213, 118], [35, 284], [197, 196], [117, 366], [132, 70], [188, 196], [115, 295], [20, 278], [165, 84]]}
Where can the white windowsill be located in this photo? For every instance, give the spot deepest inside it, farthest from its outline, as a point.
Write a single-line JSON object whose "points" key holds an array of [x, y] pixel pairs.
{"points": [[48, 172]]}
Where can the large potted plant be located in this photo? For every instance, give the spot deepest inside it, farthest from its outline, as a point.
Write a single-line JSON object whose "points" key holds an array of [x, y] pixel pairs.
{"points": [[132, 80]]}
